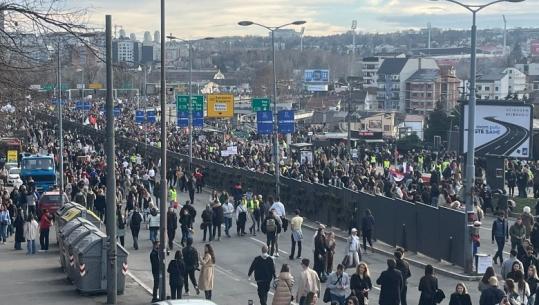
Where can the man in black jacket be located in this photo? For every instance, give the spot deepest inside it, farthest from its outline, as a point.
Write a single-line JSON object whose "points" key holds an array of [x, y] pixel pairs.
{"points": [[404, 268], [172, 225], [190, 259], [154, 260], [390, 282], [264, 269], [134, 223], [271, 227]]}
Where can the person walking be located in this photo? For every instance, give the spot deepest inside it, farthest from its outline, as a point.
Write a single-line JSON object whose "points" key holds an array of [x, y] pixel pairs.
{"points": [[154, 224], [507, 265], [517, 232], [217, 219], [528, 220], [404, 268], [176, 269], [367, 227], [512, 295], [360, 283], [120, 223], [492, 295], [533, 281], [228, 214], [428, 285], [154, 261], [205, 280], [190, 258], [44, 227], [206, 224], [283, 287], [5, 221], [271, 227], [280, 214], [390, 282], [133, 221], [241, 218], [172, 225], [309, 282], [296, 234], [500, 233], [331, 244], [353, 251], [320, 251], [338, 283], [19, 230], [264, 270], [460, 296], [31, 228], [186, 222]]}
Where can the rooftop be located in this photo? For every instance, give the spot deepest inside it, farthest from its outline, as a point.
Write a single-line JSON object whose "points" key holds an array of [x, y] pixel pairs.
{"points": [[425, 75], [392, 66]]}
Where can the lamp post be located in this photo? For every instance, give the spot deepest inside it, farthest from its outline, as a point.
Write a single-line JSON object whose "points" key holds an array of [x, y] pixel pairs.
{"points": [[275, 132], [189, 45], [163, 170], [470, 166], [60, 121]]}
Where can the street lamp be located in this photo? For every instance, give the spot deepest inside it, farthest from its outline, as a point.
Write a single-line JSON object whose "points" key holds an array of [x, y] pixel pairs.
{"points": [[275, 133], [470, 167], [189, 45]]}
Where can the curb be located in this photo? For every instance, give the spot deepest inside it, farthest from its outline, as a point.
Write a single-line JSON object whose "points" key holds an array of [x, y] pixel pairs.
{"points": [[414, 262]]}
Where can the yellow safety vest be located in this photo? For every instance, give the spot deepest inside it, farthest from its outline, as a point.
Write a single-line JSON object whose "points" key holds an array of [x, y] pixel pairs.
{"points": [[373, 159], [386, 164], [445, 164], [172, 195], [252, 205]]}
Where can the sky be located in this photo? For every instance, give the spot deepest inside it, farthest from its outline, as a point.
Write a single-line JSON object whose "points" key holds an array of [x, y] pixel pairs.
{"points": [[190, 19]]}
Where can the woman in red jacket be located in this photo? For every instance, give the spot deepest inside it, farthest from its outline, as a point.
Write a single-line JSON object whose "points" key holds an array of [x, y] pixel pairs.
{"points": [[44, 226]]}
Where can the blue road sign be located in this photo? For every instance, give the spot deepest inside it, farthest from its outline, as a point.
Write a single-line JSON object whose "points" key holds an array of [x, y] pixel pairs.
{"points": [[286, 121], [139, 116], [182, 119], [198, 119], [151, 116], [83, 105], [54, 101], [264, 122]]}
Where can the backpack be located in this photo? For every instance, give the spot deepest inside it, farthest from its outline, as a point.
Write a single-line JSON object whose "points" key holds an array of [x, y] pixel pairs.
{"points": [[270, 225]]}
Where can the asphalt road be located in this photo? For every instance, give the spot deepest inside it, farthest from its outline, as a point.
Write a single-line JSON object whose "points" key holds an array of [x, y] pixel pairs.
{"points": [[234, 255], [505, 145]]}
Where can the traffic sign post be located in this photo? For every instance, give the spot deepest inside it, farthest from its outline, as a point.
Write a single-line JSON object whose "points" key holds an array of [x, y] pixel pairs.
{"points": [[220, 105], [286, 121], [151, 116], [261, 104], [264, 122], [182, 110], [139, 116]]}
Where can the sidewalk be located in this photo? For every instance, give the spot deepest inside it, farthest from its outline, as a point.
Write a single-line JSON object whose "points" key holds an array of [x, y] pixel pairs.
{"points": [[39, 280]]}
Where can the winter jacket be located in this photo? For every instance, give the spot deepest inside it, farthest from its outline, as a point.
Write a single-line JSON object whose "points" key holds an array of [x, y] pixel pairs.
{"points": [[31, 230], [205, 279], [491, 296], [264, 268], [517, 233], [308, 282], [390, 282], [218, 216], [428, 285], [176, 269], [154, 220], [172, 221], [460, 299], [283, 292]]}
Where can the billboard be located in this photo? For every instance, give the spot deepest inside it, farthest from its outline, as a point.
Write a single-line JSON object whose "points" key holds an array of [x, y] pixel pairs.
{"points": [[316, 76], [501, 129], [220, 105]]}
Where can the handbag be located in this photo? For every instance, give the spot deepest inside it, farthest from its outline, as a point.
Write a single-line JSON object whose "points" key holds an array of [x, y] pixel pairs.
{"points": [[439, 296], [346, 261], [327, 295]]}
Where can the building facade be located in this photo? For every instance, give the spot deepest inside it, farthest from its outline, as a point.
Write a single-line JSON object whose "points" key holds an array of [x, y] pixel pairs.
{"points": [[498, 84]]}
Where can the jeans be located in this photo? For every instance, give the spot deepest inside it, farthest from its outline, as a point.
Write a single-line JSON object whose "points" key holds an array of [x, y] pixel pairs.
{"points": [[185, 234], [176, 291], [294, 248], [262, 288], [44, 239], [339, 299], [216, 231], [3, 232], [208, 228], [500, 241], [191, 275], [228, 225], [171, 234], [134, 232], [31, 246], [153, 233]]}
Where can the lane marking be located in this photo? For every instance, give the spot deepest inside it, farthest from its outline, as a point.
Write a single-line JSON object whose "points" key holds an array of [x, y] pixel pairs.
{"points": [[263, 243]]}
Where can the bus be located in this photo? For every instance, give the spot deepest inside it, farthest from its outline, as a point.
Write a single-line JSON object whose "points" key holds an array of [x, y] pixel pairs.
{"points": [[10, 149], [41, 169]]}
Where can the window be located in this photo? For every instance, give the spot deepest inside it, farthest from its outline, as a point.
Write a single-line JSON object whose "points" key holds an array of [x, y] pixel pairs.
{"points": [[387, 127], [497, 89], [487, 88], [429, 94], [479, 88]]}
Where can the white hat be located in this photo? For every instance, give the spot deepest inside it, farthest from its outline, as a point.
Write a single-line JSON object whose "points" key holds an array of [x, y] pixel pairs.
{"points": [[354, 230]]}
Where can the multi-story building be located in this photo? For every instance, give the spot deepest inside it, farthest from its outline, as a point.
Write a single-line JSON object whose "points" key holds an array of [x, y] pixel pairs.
{"points": [[392, 76], [498, 84], [450, 87], [423, 91], [125, 50], [370, 66]]}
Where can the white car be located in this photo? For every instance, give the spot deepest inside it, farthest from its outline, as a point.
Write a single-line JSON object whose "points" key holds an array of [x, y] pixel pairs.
{"points": [[13, 177]]}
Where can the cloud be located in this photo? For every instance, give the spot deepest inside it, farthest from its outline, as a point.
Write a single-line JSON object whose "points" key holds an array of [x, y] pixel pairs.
{"points": [[191, 19]]}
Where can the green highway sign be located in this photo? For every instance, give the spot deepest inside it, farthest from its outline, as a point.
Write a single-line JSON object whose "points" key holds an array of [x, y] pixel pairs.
{"points": [[182, 103], [261, 104], [51, 87]]}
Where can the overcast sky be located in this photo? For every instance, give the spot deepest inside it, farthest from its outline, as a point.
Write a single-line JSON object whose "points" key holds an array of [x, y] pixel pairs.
{"points": [[199, 18]]}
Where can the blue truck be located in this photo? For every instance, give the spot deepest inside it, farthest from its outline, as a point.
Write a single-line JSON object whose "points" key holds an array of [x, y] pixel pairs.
{"points": [[42, 170]]}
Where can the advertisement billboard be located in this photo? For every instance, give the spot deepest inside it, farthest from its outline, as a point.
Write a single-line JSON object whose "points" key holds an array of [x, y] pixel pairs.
{"points": [[501, 129], [316, 76], [220, 105]]}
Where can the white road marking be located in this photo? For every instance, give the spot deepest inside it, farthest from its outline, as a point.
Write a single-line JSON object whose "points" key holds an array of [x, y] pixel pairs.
{"points": [[261, 242]]}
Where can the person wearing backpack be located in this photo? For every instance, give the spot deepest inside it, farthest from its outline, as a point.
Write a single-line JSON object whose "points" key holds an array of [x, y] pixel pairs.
{"points": [[190, 259], [500, 233], [271, 227]]}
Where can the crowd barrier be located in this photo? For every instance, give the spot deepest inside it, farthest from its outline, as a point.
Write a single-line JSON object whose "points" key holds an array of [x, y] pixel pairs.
{"points": [[431, 231]]}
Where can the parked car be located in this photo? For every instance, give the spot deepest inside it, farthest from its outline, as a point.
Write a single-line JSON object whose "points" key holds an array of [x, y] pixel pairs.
{"points": [[14, 176], [50, 201]]}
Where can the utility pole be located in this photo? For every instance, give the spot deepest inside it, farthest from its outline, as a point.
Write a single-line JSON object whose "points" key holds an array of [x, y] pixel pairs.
{"points": [[60, 124], [111, 172], [163, 174]]}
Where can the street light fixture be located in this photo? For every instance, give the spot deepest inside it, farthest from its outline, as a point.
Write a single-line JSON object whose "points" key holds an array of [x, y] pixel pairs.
{"points": [[189, 45], [275, 133], [470, 166]]}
